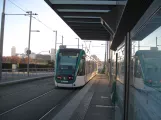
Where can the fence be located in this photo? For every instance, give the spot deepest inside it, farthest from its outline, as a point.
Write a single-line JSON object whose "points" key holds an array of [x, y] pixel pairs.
{"points": [[17, 74]]}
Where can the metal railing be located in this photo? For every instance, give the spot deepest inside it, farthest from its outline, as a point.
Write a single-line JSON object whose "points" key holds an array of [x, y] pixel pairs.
{"points": [[17, 74]]}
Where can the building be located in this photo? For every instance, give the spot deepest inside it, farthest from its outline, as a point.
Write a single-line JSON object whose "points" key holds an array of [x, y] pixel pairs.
{"points": [[43, 57], [21, 55], [13, 51], [52, 54], [33, 56], [25, 50]]}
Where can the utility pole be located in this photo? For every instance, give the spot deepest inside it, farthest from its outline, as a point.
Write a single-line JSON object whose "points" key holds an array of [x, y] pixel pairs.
{"points": [[55, 42], [2, 36], [29, 51], [62, 39], [78, 42], [82, 46]]}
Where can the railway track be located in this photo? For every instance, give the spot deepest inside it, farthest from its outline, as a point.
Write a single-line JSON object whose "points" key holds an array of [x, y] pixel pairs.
{"points": [[39, 107]]}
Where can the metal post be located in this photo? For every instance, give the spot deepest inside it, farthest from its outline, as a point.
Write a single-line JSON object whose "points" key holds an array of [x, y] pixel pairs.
{"points": [[30, 12], [105, 56], [2, 36], [116, 66], [78, 43], [62, 39], [89, 47], [55, 42], [156, 41], [138, 45], [127, 76], [82, 46]]}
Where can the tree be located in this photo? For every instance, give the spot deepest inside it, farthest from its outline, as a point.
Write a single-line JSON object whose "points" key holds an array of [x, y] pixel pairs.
{"points": [[95, 57], [15, 59]]}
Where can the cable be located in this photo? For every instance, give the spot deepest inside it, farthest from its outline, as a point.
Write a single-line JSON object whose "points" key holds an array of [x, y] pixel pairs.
{"points": [[42, 23], [32, 16], [88, 49], [86, 45], [17, 6]]}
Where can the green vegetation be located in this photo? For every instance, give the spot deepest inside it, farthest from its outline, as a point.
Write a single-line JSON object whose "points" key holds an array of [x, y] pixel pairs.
{"points": [[103, 70]]}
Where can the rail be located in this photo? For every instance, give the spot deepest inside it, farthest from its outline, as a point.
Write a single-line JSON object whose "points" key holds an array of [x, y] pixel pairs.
{"points": [[17, 74]]}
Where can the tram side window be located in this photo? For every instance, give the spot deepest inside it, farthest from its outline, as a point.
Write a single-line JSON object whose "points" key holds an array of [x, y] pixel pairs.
{"points": [[81, 70], [83, 67], [88, 67], [92, 67], [137, 71], [122, 68], [95, 66]]}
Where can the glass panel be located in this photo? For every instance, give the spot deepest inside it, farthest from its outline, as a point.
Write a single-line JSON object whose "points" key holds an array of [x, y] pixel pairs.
{"points": [[67, 61], [145, 80], [118, 82], [117, 92]]}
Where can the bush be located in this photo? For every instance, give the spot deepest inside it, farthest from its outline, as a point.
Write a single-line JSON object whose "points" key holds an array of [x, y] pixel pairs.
{"points": [[103, 70]]}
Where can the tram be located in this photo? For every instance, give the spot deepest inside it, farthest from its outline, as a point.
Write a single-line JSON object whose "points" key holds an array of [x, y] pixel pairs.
{"points": [[73, 68], [147, 68]]}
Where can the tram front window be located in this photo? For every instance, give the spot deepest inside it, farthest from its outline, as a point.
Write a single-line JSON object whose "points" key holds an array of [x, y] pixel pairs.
{"points": [[67, 62]]}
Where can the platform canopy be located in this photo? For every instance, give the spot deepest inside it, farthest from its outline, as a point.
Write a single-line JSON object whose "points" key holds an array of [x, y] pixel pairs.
{"points": [[85, 17]]}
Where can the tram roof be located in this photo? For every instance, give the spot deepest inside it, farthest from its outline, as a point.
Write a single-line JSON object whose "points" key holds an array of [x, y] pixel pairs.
{"points": [[71, 49]]}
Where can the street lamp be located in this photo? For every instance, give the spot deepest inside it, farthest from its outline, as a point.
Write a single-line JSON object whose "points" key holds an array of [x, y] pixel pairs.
{"points": [[62, 39], [35, 30], [105, 51], [78, 42], [88, 50], [56, 33], [38, 54]]}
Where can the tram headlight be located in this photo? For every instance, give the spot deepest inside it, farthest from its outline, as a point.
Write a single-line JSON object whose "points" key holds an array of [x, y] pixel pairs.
{"points": [[70, 77], [150, 81], [59, 77]]}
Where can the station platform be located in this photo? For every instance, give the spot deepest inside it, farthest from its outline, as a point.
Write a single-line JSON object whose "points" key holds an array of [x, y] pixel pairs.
{"points": [[92, 102]]}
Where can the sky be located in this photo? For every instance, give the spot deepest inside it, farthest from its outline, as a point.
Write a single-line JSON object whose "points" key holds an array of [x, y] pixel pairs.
{"points": [[17, 29]]}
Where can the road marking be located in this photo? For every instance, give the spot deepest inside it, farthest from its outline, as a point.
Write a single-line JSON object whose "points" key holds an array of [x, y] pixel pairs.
{"points": [[103, 106], [103, 97]]}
